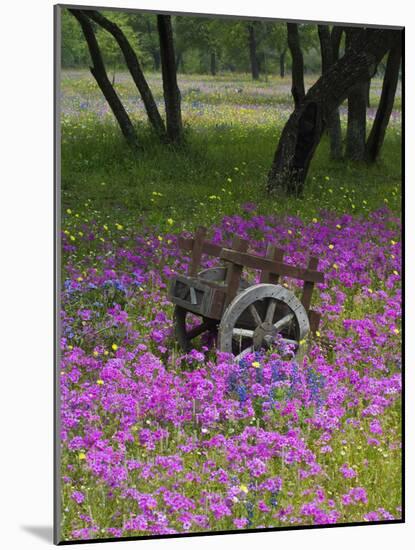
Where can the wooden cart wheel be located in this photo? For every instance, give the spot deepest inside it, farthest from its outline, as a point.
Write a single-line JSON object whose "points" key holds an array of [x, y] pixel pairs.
{"points": [[257, 315], [185, 330]]}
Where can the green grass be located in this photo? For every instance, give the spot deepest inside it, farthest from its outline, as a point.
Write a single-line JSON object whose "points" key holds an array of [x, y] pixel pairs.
{"points": [[216, 172], [224, 164], [231, 137]]}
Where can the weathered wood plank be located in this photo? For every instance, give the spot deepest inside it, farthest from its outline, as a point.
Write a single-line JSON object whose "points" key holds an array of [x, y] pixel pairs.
{"points": [[258, 262], [209, 248], [273, 253], [309, 285], [314, 318], [197, 251], [234, 273], [217, 304]]}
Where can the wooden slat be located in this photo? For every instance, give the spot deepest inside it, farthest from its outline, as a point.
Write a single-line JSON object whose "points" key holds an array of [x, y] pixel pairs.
{"points": [[209, 248], [197, 251], [314, 319], [273, 253], [309, 285], [217, 304], [258, 262], [185, 244], [234, 272]]}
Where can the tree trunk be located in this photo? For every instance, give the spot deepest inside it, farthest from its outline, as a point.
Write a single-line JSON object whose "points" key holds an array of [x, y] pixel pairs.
{"points": [[282, 62], [252, 51], [297, 67], [303, 130], [368, 93], [213, 63], [135, 70], [179, 62], [390, 83], [99, 72], [170, 87], [356, 108], [156, 60], [333, 122], [335, 37]]}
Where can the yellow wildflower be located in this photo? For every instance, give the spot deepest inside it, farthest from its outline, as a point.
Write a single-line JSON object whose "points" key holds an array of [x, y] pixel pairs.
{"points": [[243, 488], [331, 246], [114, 347], [82, 456], [170, 221], [256, 365], [100, 382]]}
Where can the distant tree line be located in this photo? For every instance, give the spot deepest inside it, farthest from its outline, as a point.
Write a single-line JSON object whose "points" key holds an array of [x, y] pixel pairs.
{"points": [[349, 58], [203, 45]]}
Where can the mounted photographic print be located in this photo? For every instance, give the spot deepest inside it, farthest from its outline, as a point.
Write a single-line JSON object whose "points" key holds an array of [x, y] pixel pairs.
{"points": [[228, 274]]}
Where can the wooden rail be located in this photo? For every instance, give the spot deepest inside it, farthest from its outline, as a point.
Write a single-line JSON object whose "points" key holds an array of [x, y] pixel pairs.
{"points": [[258, 262]]}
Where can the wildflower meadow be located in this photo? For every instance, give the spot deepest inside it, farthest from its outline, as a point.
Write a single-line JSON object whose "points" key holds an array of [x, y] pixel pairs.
{"points": [[156, 441]]}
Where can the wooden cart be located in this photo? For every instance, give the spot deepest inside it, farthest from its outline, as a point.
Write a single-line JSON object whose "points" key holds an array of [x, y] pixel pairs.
{"points": [[246, 317]]}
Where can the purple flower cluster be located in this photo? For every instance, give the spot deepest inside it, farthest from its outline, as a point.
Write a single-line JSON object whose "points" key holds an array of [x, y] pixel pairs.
{"points": [[167, 442]]}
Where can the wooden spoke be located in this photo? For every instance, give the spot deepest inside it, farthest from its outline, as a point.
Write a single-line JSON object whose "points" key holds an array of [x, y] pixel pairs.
{"points": [[255, 315], [270, 310], [249, 320], [243, 333], [284, 321]]}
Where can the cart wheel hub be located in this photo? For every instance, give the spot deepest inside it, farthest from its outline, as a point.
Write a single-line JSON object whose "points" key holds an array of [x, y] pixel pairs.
{"points": [[264, 334]]}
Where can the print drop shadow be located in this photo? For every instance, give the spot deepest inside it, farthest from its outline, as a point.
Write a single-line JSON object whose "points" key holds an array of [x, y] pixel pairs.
{"points": [[43, 532]]}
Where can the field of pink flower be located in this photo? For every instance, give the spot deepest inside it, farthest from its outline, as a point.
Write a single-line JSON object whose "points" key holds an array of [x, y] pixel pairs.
{"points": [[157, 442]]}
